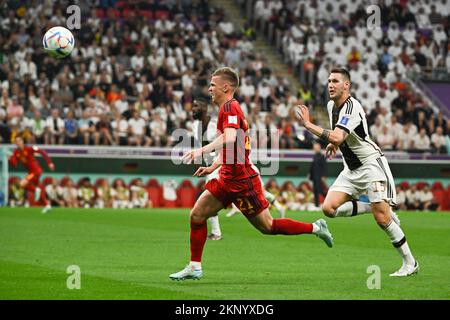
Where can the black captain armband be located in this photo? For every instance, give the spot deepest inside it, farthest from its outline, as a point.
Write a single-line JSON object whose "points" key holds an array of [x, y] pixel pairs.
{"points": [[325, 135]]}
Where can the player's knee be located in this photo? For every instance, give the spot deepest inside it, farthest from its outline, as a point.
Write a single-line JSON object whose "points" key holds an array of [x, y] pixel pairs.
{"points": [[197, 215], [328, 210], [381, 217]]}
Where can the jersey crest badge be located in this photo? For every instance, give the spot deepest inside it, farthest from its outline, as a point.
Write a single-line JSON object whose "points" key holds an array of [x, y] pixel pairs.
{"points": [[344, 121], [232, 120]]}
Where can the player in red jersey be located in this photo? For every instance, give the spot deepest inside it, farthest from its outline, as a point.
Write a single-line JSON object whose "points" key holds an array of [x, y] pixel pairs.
{"points": [[237, 183], [25, 154]]}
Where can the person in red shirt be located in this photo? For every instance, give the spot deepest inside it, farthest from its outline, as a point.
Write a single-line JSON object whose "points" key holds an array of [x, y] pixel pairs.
{"points": [[237, 183], [26, 155]]}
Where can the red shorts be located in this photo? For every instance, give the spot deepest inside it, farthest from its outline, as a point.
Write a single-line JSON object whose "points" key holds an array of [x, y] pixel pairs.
{"points": [[246, 194], [33, 177]]}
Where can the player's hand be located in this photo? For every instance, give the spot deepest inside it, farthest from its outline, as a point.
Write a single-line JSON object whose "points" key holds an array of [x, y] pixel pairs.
{"points": [[302, 114], [51, 166], [202, 171], [330, 151], [190, 156]]}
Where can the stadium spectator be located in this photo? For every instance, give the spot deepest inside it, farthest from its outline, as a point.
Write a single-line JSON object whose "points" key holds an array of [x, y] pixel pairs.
{"points": [[120, 129], [291, 197], [37, 125], [385, 139], [86, 194], [55, 193], [70, 129], [139, 195], [104, 195], [421, 142], [412, 198], [103, 131], [17, 195], [426, 199], [70, 194], [120, 195], [401, 198], [54, 128], [438, 141], [137, 127]]}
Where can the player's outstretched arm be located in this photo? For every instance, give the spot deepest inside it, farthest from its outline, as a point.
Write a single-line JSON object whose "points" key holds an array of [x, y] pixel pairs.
{"points": [[47, 159], [229, 136], [336, 136]]}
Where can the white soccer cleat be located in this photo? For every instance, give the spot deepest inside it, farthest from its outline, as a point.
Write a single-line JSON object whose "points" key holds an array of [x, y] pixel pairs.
{"points": [[323, 232], [232, 212], [213, 236], [47, 208], [395, 218], [406, 270], [187, 273]]}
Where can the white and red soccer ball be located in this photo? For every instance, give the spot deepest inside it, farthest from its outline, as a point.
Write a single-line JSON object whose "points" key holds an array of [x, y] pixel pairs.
{"points": [[58, 42]]}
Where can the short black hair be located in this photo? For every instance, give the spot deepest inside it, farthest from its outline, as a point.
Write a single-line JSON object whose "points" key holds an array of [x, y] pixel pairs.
{"points": [[202, 99], [342, 71]]}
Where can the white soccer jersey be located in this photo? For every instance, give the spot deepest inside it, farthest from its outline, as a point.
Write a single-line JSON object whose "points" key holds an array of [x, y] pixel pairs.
{"points": [[204, 137], [357, 148]]}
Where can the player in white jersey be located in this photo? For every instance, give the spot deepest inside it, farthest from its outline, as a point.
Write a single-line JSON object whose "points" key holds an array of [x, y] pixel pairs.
{"points": [[366, 170], [205, 130]]}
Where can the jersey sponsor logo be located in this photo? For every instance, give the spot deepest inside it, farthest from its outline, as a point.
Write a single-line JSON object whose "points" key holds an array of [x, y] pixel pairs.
{"points": [[232, 120], [344, 121]]}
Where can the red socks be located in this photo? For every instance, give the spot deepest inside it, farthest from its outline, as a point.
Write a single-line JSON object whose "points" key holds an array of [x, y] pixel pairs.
{"points": [[31, 189], [198, 238], [290, 227]]}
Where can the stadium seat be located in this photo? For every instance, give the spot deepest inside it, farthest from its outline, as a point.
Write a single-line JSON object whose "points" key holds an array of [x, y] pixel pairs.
{"points": [[155, 194], [440, 196], [186, 197], [169, 203], [437, 186], [186, 184], [46, 181], [404, 185], [152, 183]]}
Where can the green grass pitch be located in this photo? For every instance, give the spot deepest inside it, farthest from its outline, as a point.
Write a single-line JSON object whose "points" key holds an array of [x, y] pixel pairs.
{"points": [[129, 254]]}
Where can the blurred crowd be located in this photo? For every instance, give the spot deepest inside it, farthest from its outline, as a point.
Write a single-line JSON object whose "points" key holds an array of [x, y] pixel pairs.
{"points": [[412, 38], [66, 193], [138, 65], [136, 194]]}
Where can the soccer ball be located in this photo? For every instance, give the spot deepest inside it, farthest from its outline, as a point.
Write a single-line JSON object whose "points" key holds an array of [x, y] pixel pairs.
{"points": [[58, 42]]}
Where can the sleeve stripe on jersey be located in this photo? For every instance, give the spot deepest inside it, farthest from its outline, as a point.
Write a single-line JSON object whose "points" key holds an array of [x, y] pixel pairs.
{"points": [[349, 107], [343, 128], [227, 106]]}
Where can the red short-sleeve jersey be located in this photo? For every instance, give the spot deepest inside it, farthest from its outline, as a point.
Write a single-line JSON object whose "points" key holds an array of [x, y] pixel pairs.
{"points": [[26, 157], [235, 158]]}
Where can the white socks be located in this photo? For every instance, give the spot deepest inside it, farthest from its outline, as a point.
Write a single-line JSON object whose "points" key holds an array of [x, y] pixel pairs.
{"points": [[195, 265], [270, 197], [398, 240], [215, 226], [353, 208], [315, 228]]}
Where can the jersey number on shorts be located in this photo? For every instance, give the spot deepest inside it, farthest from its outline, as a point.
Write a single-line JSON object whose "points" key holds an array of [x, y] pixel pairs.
{"points": [[379, 186], [247, 207]]}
